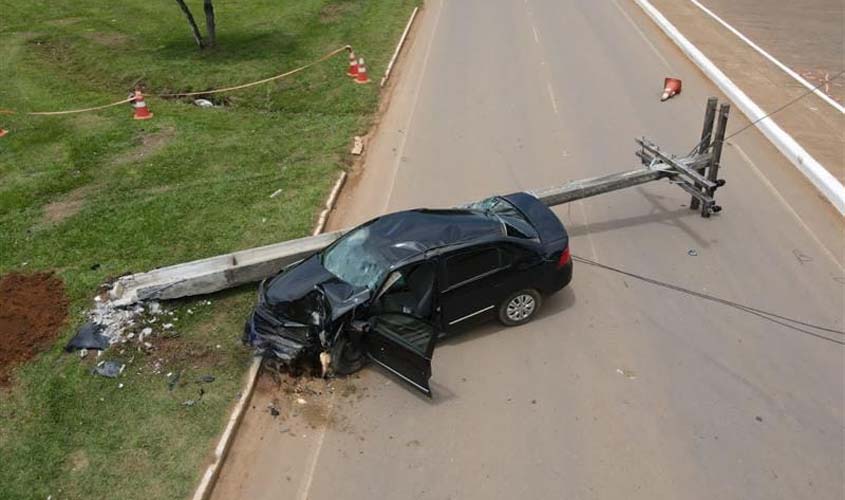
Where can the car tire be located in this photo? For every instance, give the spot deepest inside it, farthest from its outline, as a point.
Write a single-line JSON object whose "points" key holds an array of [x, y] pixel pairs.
{"points": [[347, 357], [520, 307]]}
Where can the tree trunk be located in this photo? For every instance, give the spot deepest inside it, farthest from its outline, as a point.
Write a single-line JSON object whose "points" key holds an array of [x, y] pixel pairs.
{"points": [[194, 29], [210, 28]]}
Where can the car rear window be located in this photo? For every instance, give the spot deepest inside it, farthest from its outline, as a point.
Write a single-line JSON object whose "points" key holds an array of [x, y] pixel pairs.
{"points": [[469, 265], [516, 225]]}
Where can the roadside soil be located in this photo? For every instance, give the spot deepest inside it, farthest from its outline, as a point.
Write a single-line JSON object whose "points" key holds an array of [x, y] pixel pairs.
{"points": [[33, 309], [817, 126]]}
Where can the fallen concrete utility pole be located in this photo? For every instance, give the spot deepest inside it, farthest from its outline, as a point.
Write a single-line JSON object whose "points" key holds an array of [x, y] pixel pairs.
{"points": [[697, 174]]}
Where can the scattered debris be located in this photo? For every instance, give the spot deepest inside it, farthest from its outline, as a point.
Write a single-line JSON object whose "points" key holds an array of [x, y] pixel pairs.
{"points": [[626, 373], [89, 336], [802, 259], [357, 146], [110, 369], [189, 402], [204, 103], [172, 380], [300, 401], [273, 410], [120, 386], [206, 379], [276, 193], [692, 252]]}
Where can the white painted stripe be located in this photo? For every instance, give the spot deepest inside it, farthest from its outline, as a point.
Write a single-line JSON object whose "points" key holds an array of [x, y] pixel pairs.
{"points": [[824, 181], [468, 316], [771, 58], [642, 35], [766, 182], [552, 97]]}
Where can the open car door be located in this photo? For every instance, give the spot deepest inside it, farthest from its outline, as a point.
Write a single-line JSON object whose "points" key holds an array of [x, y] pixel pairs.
{"points": [[403, 344]]}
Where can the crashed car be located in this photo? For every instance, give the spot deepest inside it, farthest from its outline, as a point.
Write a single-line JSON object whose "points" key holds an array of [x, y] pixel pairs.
{"points": [[388, 289]]}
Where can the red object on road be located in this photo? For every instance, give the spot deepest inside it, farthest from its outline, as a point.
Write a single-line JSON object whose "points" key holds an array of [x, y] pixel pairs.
{"points": [[353, 65], [362, 72], [141, 110], [671, 88]]}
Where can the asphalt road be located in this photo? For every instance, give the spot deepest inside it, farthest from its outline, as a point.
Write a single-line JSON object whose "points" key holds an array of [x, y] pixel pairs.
{"points": [[620, 389]]}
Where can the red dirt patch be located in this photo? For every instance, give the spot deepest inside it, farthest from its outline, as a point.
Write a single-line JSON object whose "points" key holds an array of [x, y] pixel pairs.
{"points": [[33, 308]]}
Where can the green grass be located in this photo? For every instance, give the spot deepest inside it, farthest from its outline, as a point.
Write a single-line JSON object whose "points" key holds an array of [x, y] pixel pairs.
{"points": [[101, 188]]}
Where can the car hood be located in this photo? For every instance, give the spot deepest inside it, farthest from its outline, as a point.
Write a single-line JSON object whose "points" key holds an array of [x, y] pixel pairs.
{"points": [[307, 291]]}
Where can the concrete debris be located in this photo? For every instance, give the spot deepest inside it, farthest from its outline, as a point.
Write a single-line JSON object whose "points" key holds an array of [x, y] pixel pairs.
{"points": [[357, 146], [110, 369]]}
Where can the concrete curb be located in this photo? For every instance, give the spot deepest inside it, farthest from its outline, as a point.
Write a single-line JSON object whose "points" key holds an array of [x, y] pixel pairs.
{"points": [[206, 486], [330, 202], [399, 47], [823, 180]]}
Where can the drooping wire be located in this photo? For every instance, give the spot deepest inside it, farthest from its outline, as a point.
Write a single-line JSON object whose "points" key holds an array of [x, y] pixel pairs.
{"points": [[767, 315], [767, 115]]}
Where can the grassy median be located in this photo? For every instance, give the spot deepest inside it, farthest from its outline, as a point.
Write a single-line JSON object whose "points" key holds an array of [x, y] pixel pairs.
{"points": [[97, 195]]}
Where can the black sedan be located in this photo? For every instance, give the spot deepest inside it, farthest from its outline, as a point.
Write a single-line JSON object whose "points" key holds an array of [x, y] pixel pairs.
{"points": [[388, 289]]}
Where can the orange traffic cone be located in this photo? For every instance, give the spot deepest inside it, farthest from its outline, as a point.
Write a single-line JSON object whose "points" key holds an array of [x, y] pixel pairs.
{"points": [[353, 65], [141, 110], [362, 72], [671, 88], [3, 132]]}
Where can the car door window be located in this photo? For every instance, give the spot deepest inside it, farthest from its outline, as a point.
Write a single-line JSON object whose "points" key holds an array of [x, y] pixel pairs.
{"points": [[468, 266], [409, 290]]}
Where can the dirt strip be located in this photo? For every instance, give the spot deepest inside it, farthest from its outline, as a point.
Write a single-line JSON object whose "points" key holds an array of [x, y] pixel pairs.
{"points": [[818, 127]]}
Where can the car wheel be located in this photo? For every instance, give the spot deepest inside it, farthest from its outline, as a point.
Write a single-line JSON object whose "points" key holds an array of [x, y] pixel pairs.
{"points": [[520, 307], [347, 356]]}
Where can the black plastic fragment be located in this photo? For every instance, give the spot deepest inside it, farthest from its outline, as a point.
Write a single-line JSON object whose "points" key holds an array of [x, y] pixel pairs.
{"points": [[89, 336]]}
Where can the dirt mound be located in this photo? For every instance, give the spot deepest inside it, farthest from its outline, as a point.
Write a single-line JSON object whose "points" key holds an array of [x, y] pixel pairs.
{"points": [[33, 308]]}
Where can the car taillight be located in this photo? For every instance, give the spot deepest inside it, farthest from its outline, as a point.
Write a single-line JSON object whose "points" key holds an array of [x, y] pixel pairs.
{"points": [[565, 257]]}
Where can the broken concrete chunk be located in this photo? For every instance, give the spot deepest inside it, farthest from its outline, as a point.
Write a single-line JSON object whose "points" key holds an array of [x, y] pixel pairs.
{"points": [[357, 146], [110, 369]]}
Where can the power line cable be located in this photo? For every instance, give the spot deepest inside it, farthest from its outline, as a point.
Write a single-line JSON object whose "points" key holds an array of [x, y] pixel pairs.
{"points": [[767, 315], [767, 115]]}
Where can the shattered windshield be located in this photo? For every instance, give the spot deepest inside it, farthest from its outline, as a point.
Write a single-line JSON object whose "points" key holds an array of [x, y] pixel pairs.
{"points": [[515, 223], [357, 259]]}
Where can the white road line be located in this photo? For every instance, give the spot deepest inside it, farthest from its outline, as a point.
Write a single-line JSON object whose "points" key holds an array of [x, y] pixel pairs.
{"points": [[785, 203], [552, 97], [305, 487], [771, 58], [407, 132], [642, 35], [536, 35]]}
